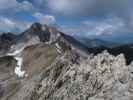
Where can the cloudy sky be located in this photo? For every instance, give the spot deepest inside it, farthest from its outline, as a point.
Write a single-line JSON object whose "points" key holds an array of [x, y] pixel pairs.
{"points": [[105, 18]]}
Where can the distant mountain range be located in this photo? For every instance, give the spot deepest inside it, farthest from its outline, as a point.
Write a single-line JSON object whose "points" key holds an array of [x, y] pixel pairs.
{"points": [[92, 43], [98, 45]]}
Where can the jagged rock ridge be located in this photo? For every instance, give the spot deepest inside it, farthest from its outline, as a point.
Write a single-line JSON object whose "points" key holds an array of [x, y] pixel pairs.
{"points": [[101, 77]]}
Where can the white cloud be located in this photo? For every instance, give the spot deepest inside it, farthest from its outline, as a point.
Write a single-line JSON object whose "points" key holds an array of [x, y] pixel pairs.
{"points": [[110, 26], [8, 25], [7, 6], [26, 6], [45, 19], [107, 27], [9, 9], [72, 30]]}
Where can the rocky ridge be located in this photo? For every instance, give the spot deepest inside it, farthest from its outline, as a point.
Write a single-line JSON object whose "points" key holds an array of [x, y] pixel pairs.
{"points": [[101, 77], [58, 67]]}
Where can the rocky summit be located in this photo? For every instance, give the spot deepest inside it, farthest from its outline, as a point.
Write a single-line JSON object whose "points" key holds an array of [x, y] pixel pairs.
{"points": [[43, 63]]}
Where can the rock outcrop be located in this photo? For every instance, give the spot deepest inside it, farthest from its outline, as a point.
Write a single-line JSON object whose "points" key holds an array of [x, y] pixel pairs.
{"points": [[70, 77]]}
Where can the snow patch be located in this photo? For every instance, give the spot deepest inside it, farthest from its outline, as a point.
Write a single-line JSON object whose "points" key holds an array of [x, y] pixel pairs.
{"points": [[58, 35], [15, 52], [58, 47], [43, 28], [18, 71]]}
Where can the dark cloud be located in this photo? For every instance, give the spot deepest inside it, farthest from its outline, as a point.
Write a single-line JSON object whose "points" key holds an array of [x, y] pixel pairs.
{"points": [[84, 8], [90, 7], [119, 12]]}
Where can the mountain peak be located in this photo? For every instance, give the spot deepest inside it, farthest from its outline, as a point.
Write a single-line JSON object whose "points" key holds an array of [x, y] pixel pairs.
{"points": [[36, 26], [44, 32]]}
